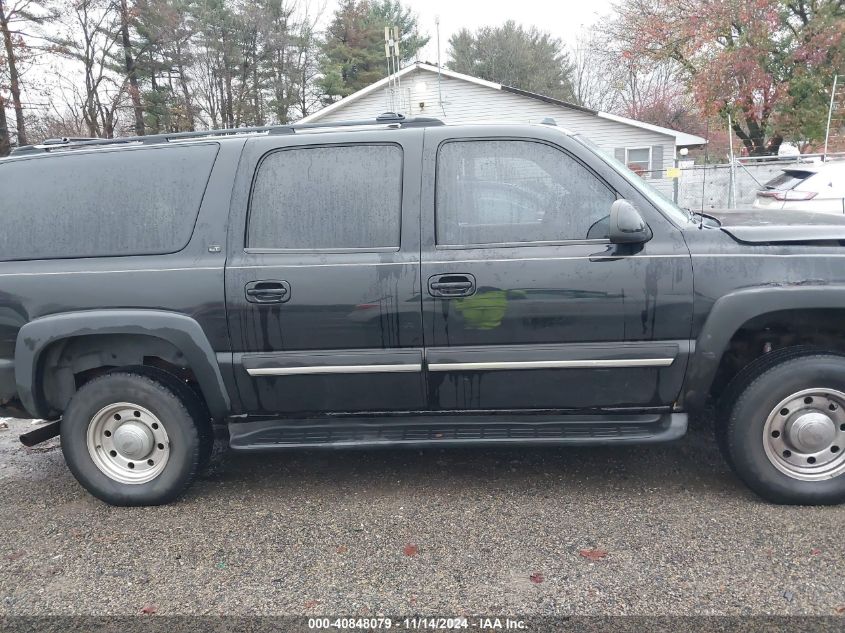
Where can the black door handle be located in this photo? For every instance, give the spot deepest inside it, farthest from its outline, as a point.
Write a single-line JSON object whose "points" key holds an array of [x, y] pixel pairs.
{"points": [[447, 286], [267, 291]]}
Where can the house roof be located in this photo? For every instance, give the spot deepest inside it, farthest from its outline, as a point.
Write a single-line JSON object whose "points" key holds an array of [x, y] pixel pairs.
{"points": [[682, 139]]}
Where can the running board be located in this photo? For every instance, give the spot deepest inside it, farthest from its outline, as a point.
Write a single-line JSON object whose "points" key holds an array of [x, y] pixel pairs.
{"points": [[346, 432]]}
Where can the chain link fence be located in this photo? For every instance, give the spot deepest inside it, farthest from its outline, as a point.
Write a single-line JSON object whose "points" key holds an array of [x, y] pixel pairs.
{"points": [[733, 185], [725, 185]]}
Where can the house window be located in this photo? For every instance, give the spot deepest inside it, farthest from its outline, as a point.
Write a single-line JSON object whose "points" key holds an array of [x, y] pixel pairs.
{"points": [[638, 160]]}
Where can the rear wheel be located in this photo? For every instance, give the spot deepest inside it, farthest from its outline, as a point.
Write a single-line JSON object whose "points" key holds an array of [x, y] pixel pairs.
{"points": [[133, 439], [783, 432]]}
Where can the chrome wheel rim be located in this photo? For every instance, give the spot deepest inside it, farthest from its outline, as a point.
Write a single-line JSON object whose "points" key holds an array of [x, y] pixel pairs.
{"points": [[128, 443], [804, 435]]}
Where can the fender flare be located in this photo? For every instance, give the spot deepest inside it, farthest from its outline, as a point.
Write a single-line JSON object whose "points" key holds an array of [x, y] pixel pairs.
{"points": [[733, 310], [178, 329]]}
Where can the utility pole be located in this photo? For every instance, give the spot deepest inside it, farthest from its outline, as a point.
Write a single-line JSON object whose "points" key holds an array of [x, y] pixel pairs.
{"points": [[732, 192], [830, 115]]}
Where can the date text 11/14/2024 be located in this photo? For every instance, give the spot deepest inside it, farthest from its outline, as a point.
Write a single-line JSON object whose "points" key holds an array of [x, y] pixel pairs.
{"points": [[420, 623]]}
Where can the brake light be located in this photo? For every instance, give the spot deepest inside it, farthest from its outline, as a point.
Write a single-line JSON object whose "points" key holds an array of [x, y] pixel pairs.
{"points": [[793, 195]]}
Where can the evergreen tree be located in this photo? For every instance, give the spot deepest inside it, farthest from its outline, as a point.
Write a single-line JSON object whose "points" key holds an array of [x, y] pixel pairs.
{"points": [[528, 59], [353, 50]]}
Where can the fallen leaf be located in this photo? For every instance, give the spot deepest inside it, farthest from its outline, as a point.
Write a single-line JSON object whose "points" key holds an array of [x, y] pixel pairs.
{"points": [[149, 609], [410, 550], [536, 577], [815, 551], [840, 610], [342, 549], [413, 601], [15, 555], [310, 604], [593, 554]]}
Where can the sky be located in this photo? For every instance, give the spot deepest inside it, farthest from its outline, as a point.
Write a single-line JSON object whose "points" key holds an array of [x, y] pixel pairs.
{"points": [[562, 18]]}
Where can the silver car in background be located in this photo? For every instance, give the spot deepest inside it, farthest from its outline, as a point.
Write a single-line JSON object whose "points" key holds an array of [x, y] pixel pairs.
{"points": [[819, 188]]}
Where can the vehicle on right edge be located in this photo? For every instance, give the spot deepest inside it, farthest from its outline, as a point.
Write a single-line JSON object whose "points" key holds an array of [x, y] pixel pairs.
{"points": [[815, 187]]}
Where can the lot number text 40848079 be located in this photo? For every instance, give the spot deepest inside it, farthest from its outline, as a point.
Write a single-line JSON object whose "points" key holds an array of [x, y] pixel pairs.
{"points": [[419, 623]]}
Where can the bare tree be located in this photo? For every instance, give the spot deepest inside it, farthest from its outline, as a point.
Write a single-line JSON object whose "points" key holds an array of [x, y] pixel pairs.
{"points": [[307, 64], [607, 77], [173, 65], [131, 67], [652, 92], [5, 144], [596, 77], [90, 36], [14, 18], [63, 118]]}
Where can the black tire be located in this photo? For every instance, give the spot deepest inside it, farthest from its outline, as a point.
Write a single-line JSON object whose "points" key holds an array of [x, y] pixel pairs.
{"points": [[742, 379], [750, 400], [164, 398], [194, 402]]}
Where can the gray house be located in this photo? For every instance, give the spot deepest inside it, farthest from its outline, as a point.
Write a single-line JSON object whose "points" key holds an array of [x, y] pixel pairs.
{"points": [[424, 90]]}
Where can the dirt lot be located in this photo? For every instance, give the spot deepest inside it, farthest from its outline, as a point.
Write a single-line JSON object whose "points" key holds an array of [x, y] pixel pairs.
{"points": [[432, 532]]}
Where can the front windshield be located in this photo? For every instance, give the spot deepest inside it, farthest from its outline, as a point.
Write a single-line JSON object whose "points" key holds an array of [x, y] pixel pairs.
{"points": [[658, 199]]}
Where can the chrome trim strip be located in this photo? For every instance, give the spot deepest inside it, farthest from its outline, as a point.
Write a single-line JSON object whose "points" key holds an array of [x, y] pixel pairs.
{"points": [[554, 364], [332, 369], [254, 250], [802, 255]]}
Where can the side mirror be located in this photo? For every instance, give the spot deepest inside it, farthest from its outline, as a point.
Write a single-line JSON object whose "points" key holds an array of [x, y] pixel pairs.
{"points": [[627, 225]]}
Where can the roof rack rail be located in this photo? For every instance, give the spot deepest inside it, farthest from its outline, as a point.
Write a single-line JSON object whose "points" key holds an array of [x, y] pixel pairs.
{"points": [[68, 139], [391, 119]]}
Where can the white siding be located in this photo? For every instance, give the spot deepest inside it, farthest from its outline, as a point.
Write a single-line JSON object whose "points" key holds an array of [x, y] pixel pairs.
{"points": [[466, 102]]}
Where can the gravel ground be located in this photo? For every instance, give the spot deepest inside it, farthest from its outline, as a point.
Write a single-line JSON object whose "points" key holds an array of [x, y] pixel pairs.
{"points": [[433, 532]]}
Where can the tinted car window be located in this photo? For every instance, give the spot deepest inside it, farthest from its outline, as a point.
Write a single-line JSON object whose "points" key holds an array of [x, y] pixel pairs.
{"points": [[788, 180], [104, 203], [494, 192], [328, 198]]}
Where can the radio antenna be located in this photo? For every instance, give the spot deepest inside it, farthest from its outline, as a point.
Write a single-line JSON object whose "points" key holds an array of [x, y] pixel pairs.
{"points": [[439, 83]]}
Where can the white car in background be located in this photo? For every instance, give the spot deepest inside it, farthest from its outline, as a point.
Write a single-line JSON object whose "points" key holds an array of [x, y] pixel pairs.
{"points": [[813, 187]]}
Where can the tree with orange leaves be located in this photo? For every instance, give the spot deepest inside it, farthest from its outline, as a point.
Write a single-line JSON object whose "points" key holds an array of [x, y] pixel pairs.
{"points": [[767, 63]]}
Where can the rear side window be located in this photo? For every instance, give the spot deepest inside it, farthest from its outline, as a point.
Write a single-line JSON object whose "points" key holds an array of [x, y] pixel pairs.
{"points": [[106, 203], [788, 180], [328, 198], [510, 191]]}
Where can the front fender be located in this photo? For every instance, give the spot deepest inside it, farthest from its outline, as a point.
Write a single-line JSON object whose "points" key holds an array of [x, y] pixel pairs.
{"points": [[733, 310], [178, 329]]}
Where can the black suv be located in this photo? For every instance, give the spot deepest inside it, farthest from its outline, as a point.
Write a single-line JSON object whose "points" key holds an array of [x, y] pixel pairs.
{"points": [[403, 282]]}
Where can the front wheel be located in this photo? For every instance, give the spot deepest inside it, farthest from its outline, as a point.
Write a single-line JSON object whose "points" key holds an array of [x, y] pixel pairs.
{"points": [[784, 432], [133, 439]]}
